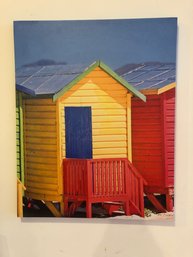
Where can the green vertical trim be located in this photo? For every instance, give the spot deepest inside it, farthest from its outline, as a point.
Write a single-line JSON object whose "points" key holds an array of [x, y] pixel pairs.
{"points": [[17, 137], [21, 137]]}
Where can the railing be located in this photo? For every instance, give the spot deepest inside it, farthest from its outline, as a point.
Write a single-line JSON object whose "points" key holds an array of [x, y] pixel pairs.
{"points": [[100, 180], [75, 178], [136, 190], [109, 177]]}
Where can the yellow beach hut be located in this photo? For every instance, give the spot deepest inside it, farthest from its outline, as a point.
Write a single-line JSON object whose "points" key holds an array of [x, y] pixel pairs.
{"points": [[71, 111]]}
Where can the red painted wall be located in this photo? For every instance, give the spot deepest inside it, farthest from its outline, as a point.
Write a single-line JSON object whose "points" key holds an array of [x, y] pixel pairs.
{"points": [[169, 107], [153, 138]]}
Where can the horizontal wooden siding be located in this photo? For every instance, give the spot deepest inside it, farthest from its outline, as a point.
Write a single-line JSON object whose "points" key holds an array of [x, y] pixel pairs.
{"points": [[147, 139], [40, 129], [108, 101], [169, 107]]}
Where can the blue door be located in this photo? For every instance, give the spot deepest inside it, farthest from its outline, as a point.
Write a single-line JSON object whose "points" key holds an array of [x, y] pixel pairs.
{"points": [[78, 125]]}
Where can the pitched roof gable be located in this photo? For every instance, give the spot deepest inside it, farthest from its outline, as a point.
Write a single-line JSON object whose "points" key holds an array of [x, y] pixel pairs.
{"points": [[55, 80]]}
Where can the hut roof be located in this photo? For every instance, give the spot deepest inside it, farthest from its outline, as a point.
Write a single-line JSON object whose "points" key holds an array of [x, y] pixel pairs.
{"points": [[150, 75], [55, 80]]}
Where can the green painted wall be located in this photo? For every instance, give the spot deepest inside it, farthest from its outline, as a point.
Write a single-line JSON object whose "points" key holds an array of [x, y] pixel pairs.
{"points": [[19, 137]]}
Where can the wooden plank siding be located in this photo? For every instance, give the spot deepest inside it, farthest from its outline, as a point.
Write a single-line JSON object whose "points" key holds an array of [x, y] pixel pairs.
{"points": [[169, 135], [108, 100], [41, 149], [147, 138]]}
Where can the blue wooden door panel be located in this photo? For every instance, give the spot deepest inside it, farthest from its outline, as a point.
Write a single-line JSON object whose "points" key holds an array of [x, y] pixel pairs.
{"points": [[78, 126]]}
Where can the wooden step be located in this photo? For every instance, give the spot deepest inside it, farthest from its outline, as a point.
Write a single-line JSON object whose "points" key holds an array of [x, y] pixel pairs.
{"points": [[111, 207]]}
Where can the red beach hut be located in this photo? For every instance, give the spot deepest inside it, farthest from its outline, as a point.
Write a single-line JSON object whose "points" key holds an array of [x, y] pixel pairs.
{"points": [[153, 125]]}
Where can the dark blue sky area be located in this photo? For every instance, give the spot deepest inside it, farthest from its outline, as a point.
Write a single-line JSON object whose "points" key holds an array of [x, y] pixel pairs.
{"points": [[115, 42]]}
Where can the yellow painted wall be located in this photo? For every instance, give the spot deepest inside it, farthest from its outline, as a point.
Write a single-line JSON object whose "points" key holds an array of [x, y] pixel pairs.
{"points": [[44, 131], [41, 151], [108, 100]]}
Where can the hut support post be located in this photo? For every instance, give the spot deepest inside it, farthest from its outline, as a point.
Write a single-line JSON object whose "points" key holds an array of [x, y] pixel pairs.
{"points": [[170, 199], [62, 208], [169, 203], [53, 209], [155, 202], [20, 188]]}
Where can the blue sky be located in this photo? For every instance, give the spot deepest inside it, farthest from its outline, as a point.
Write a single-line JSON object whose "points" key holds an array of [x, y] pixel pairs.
{"points": [[115, 42]]}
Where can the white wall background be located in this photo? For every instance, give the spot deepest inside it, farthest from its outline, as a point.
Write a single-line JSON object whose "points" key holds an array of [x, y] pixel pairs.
{"points": [[54, 238]]}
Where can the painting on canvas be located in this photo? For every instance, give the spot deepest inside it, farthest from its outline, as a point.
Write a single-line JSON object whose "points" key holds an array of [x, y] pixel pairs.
{"points": [[95, 118]]}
